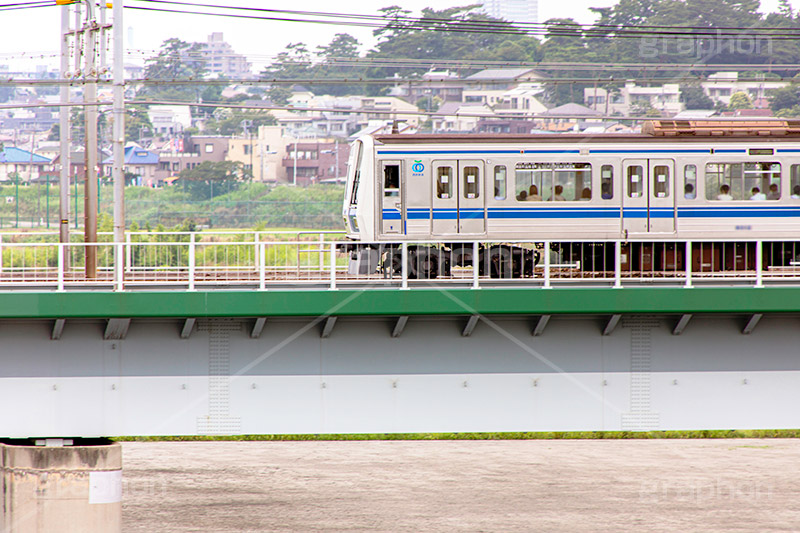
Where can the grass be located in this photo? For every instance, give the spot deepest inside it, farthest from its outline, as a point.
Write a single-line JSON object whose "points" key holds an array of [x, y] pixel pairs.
{"points": [[551, 435]]}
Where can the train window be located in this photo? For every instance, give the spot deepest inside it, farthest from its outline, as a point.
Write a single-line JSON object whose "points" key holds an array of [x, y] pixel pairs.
{"points": [[356, 174], [635, 181], [661, 181], [690, 182], [607, 182], [795, 182], [391, 180], [499, 183], [553, 181], [531, 183], [471, 182], [444, 182], [743, 181]]}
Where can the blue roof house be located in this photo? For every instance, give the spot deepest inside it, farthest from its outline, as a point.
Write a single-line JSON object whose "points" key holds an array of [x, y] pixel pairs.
{"points": [[16, 163], [139, 162]]}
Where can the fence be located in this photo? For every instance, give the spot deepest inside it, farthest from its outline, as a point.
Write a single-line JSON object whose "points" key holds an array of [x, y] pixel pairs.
{"points": [[263, 260]]}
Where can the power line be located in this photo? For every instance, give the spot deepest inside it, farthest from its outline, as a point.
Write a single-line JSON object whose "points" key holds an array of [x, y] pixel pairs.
{"points": [[414, 82], [386, 20], [338, 110], [466, 26], [24, 5]]}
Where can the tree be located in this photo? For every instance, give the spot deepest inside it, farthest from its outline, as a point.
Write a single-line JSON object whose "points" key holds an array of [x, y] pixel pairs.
{"points": [[565, 43], [339, 60], [77, 119], [740, 100], [435, 35], [137, 122], [789, 112], [645, 109], [294, 62], [693, 97], [210, 178], [176, 60], [784, 98], [229, 121], [279, 94]]}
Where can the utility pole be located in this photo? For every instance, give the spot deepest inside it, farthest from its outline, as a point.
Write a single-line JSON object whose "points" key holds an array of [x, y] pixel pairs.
{"points": [[118, 132], [294, 174], [90, 113]]}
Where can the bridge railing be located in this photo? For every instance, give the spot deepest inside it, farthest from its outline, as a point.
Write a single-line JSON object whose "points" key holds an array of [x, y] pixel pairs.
{"points": [[187, 261]]}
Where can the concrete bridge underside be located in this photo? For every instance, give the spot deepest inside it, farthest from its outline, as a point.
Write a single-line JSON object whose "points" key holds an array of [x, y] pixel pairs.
{"points": [[104, 365]]}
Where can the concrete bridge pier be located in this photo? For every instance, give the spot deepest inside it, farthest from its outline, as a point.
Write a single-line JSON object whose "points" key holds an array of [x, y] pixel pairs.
{"points": [[61, 485]]}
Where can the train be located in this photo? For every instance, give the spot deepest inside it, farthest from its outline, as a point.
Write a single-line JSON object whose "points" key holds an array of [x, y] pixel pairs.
{"points": [[732, 180]]}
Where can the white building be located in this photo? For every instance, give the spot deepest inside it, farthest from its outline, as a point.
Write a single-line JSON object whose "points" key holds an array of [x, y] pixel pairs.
{"points": [[720, 86], [520, 101], [513, 10], [221, 60], [664, 98], [457, 117], [170, 119]]}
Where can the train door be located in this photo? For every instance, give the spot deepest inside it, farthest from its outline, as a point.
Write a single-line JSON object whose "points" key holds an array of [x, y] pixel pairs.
{"points": [[444, 218], [648, 200], [472, 198], [459, 198], [391, 189]]}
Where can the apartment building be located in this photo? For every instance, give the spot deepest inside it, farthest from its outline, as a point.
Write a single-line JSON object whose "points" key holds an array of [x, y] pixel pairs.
{"points": [[222, 60]]}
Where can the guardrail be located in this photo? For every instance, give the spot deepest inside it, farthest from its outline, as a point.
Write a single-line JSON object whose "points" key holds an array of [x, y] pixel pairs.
{"points": [[191, 261]]}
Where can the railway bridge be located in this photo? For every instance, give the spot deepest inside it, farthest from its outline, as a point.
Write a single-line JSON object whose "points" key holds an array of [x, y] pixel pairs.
{"points": [[270, 333]]}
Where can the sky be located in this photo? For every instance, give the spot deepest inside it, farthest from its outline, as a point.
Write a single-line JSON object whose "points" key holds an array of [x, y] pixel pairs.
{"points": [[31, 37]]}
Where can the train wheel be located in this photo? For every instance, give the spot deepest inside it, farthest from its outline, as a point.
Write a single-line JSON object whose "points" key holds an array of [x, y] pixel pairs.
{"points": [[500, 263], [427, 264], [424, 264], [392, 263]]}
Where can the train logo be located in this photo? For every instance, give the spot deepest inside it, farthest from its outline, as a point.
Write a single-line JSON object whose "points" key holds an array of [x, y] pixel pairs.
{"points": [[417, 168]]}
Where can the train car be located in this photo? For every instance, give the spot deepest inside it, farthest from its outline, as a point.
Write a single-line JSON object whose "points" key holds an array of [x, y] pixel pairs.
{"points": [[677, 180]]}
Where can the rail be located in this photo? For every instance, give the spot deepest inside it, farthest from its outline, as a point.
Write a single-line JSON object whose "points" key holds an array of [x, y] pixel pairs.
{"points": [[321, 260]]}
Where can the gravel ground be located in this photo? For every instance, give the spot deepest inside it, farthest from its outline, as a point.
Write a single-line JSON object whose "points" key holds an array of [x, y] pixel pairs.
{"points": [[602, 485]]}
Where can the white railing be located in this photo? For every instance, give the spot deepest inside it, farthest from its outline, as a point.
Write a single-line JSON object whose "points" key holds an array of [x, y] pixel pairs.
{"points": [[264, 261]]}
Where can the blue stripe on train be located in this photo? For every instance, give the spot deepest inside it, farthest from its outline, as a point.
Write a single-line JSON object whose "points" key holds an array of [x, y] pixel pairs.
{"points": [[597, 213], [474, 152]]}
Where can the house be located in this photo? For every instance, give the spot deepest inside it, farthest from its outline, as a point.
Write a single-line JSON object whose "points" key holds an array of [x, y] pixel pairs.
{"points": [[520, 101], [455, 117], [720, 86], [383, 127], [22, 165], [493, 86], [625, 100], [567, 117], [503, 78], [77, 164], [140, 165], [306, 163], [211, 147], [262, 154], [504, 125], [181, 153], [169, 119], [388, 108], [442, 84]]}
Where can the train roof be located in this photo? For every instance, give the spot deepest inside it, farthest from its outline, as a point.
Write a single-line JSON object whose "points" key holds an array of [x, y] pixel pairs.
{"points": [[661, 131]]}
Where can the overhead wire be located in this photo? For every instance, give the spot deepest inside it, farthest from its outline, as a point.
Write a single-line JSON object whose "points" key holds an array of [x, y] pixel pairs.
{"points": [[24, 5], [471, 22], [502, 28]]}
